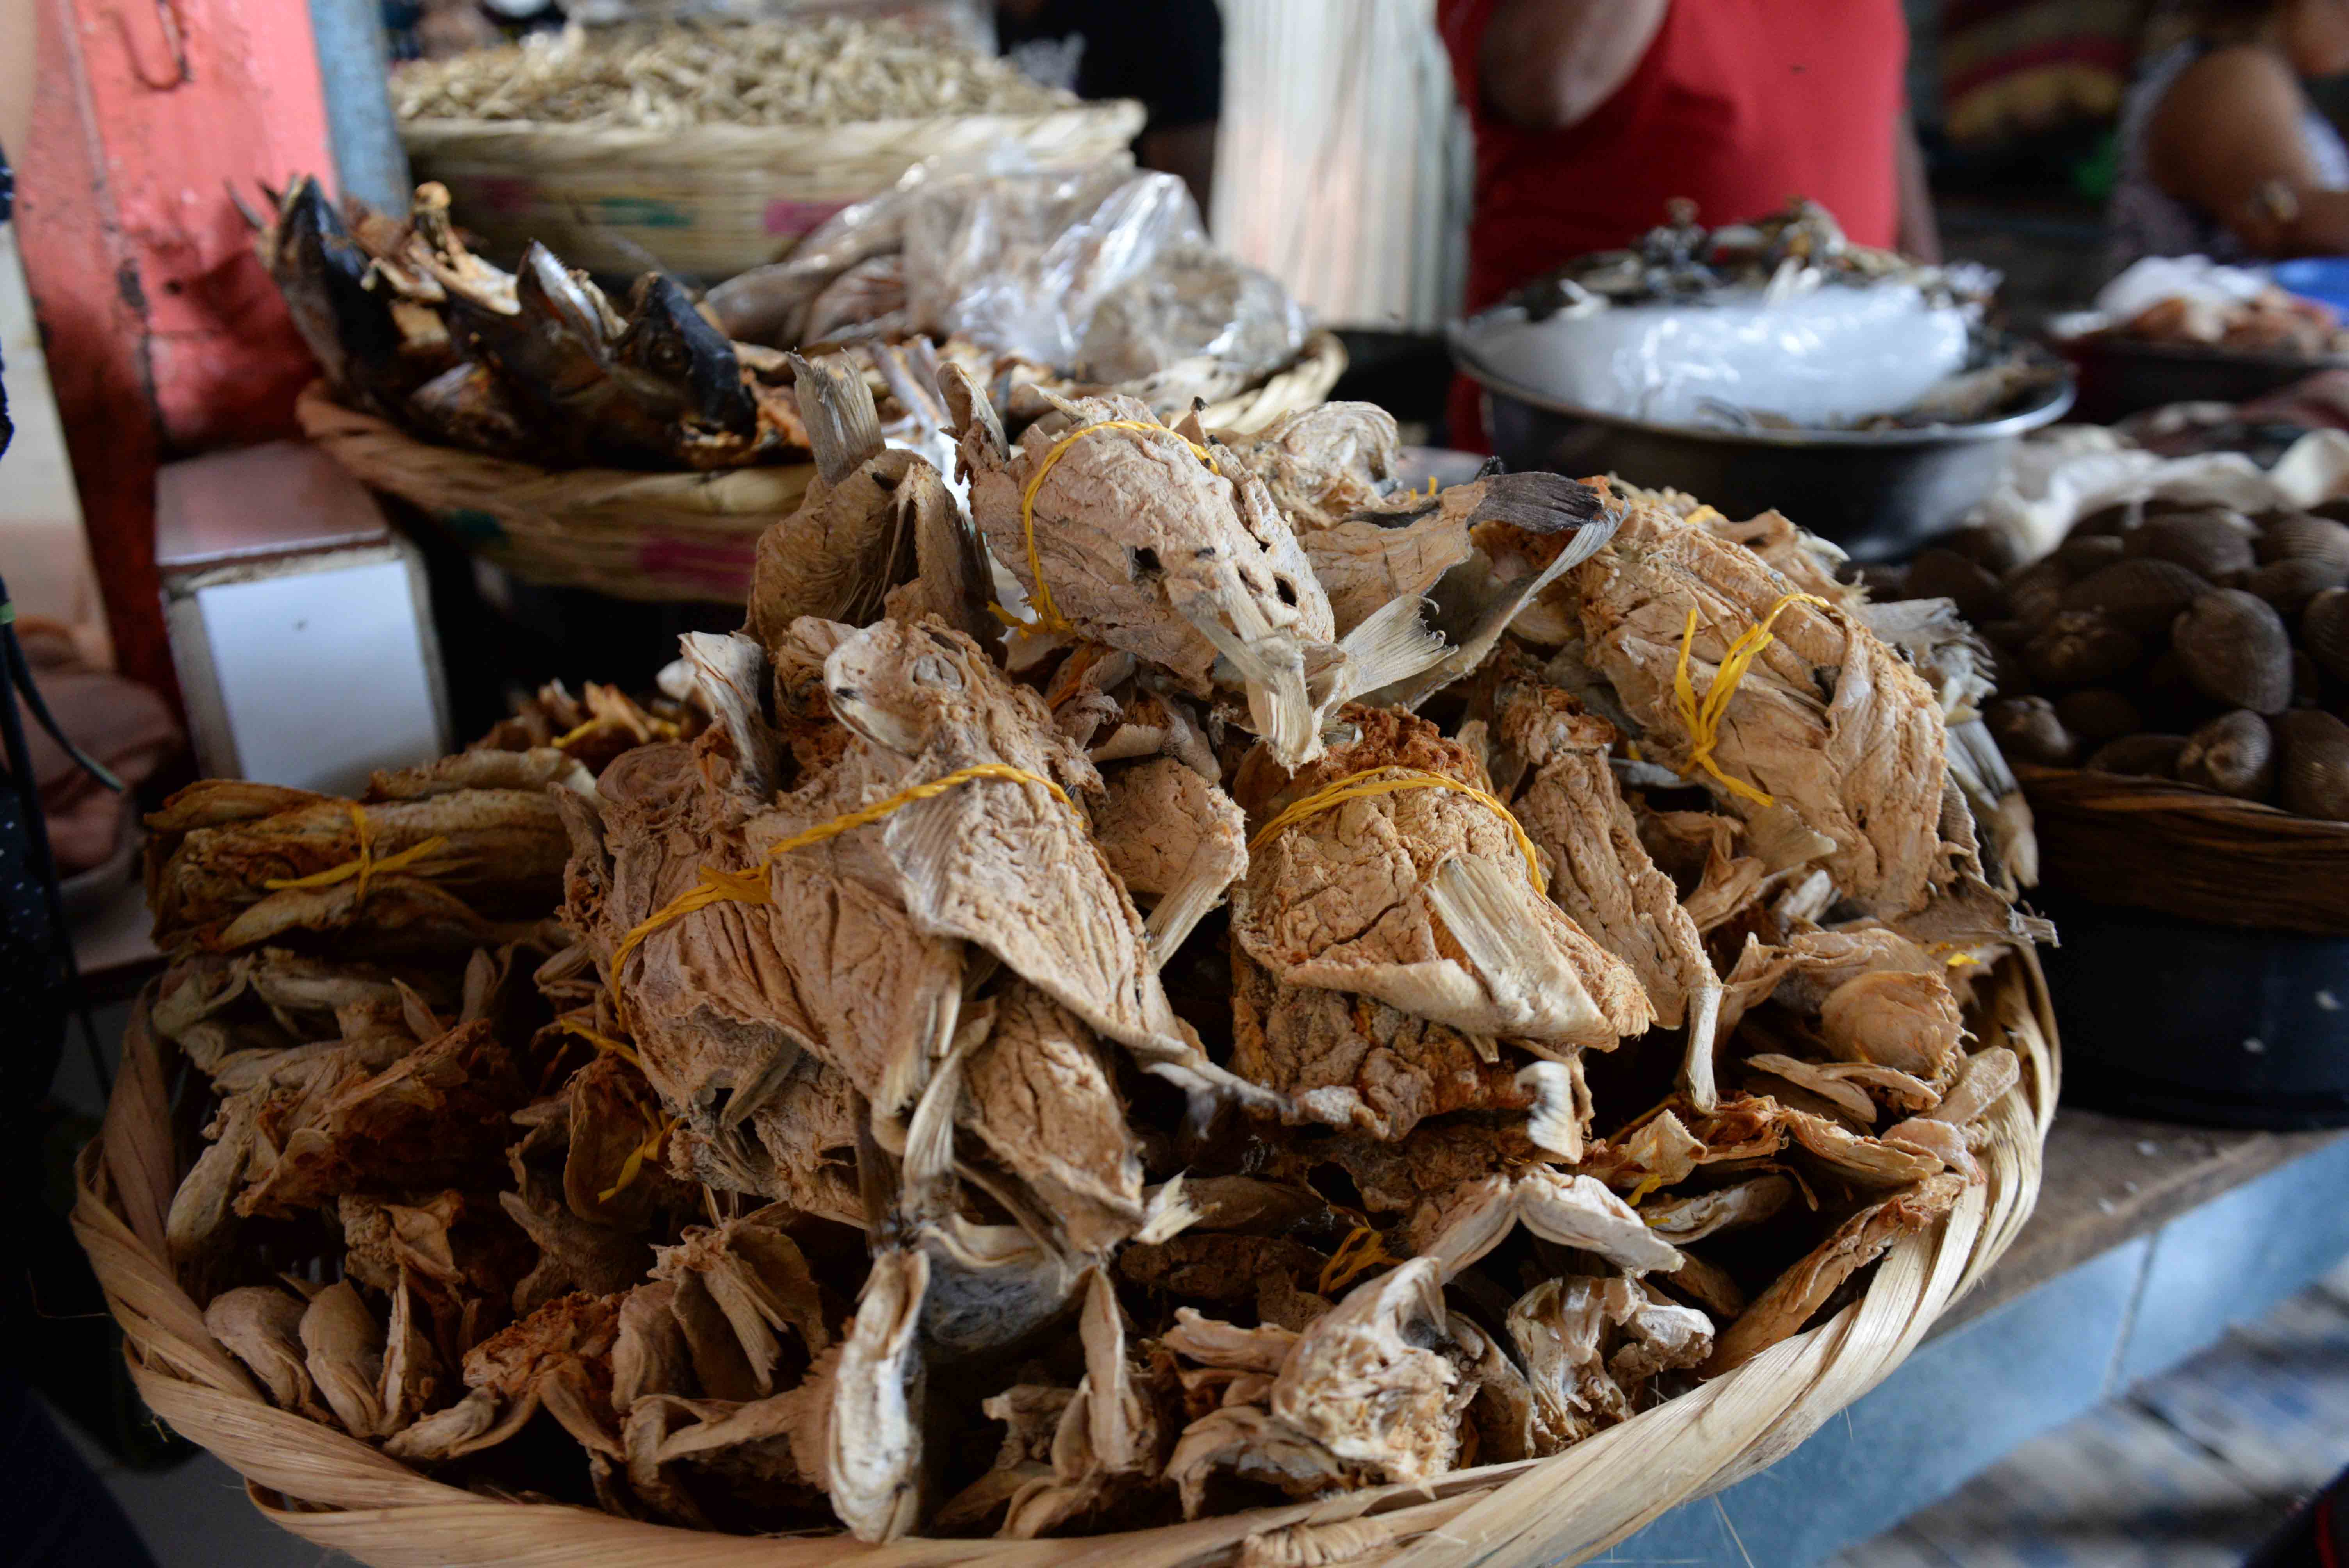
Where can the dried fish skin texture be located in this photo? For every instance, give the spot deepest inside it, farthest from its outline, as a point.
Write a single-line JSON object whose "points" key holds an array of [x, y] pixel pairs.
{"points": [[1321, 464], [1137, 538], [1039, 1097], [1000, 863], [1356, 1062], [1829, 722], [1362, 1382], [1423, 899]]}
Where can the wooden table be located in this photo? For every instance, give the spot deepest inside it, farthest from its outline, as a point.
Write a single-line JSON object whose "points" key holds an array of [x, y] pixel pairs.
{"points": [[2148, 1241]]}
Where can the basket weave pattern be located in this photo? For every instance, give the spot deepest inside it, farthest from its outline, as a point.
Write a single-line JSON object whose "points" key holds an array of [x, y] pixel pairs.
{"points": [[338, 1492], [714, 200], [2153, 844], [657, 536]]}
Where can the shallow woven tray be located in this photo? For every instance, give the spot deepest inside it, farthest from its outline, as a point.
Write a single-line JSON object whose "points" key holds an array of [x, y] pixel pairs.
{"points": [[714, 200], [338, 1492], [2152, 843], [657, 536]]}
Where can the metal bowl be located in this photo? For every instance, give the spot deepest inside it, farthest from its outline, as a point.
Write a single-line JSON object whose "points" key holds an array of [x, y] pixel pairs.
{"points": [[1878, 494], [2119, 376]]}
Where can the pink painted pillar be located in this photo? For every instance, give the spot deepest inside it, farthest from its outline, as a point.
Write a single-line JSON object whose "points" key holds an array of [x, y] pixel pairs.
{"points": [[164, 334]]}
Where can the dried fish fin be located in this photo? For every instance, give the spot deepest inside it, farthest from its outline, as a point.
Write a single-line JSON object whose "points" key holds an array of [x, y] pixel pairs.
{"points": [[1801, 1290], [836, 405], [1845, 1094], [1981, 1083], [1559, 1120], [873, 1436], [1521, 988], [1474, 601], [950, 577], [1683, 1221], [1360, 1382], [730, 675], [1866, 1162]]}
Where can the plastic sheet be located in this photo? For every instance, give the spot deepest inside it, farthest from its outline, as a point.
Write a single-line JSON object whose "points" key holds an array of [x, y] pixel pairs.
{"points": [[1818, 357], [1103, 272]]}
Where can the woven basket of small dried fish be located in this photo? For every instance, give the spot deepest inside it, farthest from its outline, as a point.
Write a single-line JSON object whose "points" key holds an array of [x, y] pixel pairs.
{"points": [[711, 148], [1373, 1027], [682, 535]]}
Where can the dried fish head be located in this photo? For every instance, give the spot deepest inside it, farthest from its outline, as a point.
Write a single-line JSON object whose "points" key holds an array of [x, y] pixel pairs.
{"points": [[323, 272], [1424, 898], [872, 1458], [669, 359], [1367, 1382], [1321, 464], [1138, 541]]}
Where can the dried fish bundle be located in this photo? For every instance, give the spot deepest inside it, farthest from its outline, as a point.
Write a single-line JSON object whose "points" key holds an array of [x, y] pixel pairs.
{"points": [[893, 1137], [1389, 869], [1806, 720]]}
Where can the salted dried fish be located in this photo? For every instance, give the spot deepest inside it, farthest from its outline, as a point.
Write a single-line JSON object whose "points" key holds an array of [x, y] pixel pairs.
{"points": [[1350, 1061], [738, 1286], [1175, 836], [260, 1325], [862, 528], [557, 1360], [669, 75], [1361, 1382], [1601, 875], [1422, 898], [1826, 724], [1321, 465]]}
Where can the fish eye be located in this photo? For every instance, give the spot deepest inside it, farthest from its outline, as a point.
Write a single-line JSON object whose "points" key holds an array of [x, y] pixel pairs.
{"points": [[668, 357]]}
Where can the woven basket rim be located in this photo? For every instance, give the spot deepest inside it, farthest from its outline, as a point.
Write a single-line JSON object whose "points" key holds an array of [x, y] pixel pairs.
{"points": [[591, 527], [440, 133], [2151, 797], [338, 1492]]}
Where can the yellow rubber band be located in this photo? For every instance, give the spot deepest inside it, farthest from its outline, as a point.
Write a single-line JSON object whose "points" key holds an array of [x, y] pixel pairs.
{"points": [[749, 885], [603, 1043], [1703, 719], [629, 1168], [1362, 784], [364, 865], [1639, 1195], [1362, 1250], [1049, 619], [577, 732]]}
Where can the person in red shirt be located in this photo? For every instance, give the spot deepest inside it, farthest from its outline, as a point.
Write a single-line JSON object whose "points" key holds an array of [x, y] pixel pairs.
{"points": [[1592, 115]]}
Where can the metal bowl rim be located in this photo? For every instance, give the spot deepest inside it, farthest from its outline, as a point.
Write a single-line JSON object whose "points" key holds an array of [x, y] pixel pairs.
{"points": [[2058, 404]]}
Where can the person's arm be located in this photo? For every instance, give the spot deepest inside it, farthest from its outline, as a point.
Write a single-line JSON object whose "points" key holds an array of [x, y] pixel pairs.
{"points": [[1547, 65], [2227, 137], [1919, 234]]}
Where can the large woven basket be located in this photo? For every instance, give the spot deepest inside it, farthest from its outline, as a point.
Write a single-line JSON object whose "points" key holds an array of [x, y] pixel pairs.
{"points": [[714, 200], [659, 536], [338, 1492], [2150, 843]]}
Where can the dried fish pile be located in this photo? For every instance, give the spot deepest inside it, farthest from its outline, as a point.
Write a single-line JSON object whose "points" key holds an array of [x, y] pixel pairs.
{"points": [[2270, 321], [1357, 985], [671, 75]]}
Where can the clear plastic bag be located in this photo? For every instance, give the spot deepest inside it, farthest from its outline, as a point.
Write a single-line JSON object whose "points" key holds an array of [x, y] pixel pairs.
{"points": [[1103, 272]]}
